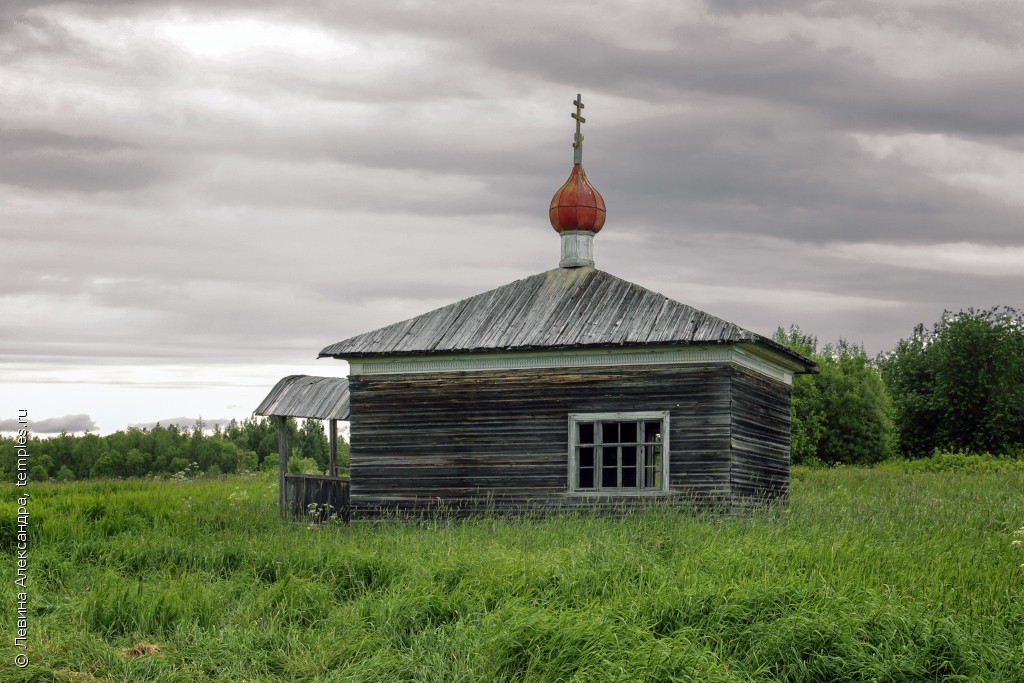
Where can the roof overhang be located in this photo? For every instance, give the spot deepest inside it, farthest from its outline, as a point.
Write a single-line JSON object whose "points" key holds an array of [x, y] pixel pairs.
{"points": [[308, 396], [762, 359]]}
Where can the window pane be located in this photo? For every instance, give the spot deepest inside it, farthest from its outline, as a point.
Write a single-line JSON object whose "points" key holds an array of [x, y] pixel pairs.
{"points": [[609, 478], [586, 457], [652, 456], [586, 477], [651, 431], [650, 481], [586, 432], [609, 432], [629, 466], [627, 432], [629, 477]]}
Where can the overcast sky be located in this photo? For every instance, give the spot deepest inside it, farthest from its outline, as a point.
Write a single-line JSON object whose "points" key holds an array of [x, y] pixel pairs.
{"points": [[195, 198]]}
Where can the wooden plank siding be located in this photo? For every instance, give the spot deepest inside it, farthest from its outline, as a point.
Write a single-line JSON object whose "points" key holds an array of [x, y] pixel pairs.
{"points": [[302, 490], [471, 441], [760, 439]]}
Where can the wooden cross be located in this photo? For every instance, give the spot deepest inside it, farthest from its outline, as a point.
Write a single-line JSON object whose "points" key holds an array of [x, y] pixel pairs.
{"points": [[577, 143]]}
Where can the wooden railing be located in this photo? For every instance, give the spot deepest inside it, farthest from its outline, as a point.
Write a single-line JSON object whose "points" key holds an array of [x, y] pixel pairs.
{"points": [[315, 497]]}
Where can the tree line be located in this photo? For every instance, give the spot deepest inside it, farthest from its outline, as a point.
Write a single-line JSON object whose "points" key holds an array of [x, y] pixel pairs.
{"points": [[955, 387], [246, 446]]}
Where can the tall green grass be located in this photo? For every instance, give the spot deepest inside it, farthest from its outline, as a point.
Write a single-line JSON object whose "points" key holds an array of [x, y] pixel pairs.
{"points": [[868, 575]]}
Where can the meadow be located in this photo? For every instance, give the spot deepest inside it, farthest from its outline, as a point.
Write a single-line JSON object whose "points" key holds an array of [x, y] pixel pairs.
{"points": [[883, 574]]}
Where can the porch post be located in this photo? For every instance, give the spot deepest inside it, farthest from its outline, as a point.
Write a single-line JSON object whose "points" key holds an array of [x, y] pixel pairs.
{"points": [[282, 460], [332, 434]]}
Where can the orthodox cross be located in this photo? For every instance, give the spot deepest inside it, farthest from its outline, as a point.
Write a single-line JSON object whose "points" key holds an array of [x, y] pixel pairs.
{"points": [[577, 141]]}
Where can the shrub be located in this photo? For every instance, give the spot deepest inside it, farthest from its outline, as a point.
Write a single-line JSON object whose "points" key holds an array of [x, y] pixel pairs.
{"points": [[958, 461], [303, 466], [248, 461], [844, 413], [960, 385]]}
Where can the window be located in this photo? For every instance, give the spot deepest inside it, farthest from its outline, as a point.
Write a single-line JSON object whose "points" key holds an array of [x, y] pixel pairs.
{"points": [[618, 452]]}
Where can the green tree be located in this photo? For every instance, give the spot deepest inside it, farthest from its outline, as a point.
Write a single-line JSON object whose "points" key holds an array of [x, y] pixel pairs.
{"points": [[88, 449], [259, 434], [312, 442], [960, 385], [248, 461], [166, 447], [164, 450], [844, 413], [224, 454], [110, 465], [344, 452], [180, 465], [60, 450], [806, 404], [136, 463]]}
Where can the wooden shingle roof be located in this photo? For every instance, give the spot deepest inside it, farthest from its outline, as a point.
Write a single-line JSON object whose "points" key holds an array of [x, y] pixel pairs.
{"points": [[564, 308], [320, 398]]}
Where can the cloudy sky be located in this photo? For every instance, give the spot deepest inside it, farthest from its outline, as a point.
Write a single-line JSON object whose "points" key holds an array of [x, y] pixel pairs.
{"points": [[195, 198]]}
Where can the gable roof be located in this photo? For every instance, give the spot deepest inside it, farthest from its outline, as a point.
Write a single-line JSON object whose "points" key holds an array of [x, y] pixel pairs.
{"points": [[564, 308]]}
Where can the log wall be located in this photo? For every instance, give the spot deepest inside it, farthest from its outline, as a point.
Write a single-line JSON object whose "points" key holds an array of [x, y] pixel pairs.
{"points": [[499, 439], [760, 439]]}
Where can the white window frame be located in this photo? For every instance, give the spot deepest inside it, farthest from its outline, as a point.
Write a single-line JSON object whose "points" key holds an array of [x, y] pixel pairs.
{"points": [[576, 418]]}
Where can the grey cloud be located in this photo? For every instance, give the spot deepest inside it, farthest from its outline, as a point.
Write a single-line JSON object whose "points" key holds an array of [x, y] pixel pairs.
{"points": [[67, 172], [17, 8], [49, 160], [52, 425], [788, 178], [12, 425], [38, 140], [833, 84], [998, 22]]}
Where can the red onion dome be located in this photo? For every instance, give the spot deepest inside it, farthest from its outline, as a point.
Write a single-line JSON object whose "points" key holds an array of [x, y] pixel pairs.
{"points": [[577, 205]]}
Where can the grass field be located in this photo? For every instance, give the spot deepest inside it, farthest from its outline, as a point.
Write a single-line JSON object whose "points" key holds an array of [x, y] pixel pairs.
{"points": [[869, 575]]}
